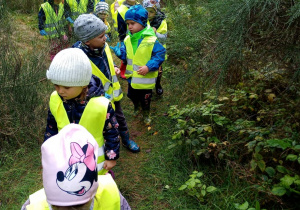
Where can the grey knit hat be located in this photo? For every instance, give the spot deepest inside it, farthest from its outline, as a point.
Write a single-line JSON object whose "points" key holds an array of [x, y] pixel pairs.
{"points": [[71, 68], [88, 26], [101, 7]]}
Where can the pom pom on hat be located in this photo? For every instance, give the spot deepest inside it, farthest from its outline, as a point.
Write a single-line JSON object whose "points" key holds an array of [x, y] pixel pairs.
{"points": [[69, 162], [101, 7], [71, 68], [138, 14], [88, 26]]}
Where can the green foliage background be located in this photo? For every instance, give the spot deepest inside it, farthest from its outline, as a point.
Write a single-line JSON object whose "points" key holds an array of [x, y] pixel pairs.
{"points": [[231, 86]]}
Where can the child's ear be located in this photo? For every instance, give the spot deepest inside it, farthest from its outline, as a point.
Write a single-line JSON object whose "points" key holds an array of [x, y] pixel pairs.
{"points": [[87, 43]]}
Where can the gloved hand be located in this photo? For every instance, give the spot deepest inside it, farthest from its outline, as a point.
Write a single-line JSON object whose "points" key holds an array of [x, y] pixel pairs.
{"points": [[106, 96], [116, 49], [70, 20], [43, 33], [107, 38]]}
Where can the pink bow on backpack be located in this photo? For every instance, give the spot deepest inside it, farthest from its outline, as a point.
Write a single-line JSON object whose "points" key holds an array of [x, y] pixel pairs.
{"points": [[79, 156]]}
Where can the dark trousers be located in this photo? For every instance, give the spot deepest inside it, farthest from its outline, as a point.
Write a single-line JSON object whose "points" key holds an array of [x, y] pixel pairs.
{"points": [[140, 97], [120, 116]]}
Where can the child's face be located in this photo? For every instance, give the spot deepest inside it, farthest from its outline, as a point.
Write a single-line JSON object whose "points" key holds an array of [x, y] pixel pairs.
{"points": [[131, 2], [151, 13], [68, 92], [97, 42], [133, 26], [102, 15]]}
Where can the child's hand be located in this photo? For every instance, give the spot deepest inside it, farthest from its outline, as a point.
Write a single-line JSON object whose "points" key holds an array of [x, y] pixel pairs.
{"points": [[143, 70], [109, 164], [117, 70], [154, 29]]}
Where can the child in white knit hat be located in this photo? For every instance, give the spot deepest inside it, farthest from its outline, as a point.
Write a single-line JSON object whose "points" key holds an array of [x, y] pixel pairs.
{"points": [[102, 11], [70, 176], [78, 99]]}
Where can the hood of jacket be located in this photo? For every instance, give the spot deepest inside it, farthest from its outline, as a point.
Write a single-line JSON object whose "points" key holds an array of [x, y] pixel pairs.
{"points": [[95, 88]]}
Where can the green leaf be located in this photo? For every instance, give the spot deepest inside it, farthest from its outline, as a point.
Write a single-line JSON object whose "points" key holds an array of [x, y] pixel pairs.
{"points": [[291, 157], [243, 206], [271, 171], [257, 205], [280, 143], [287, 181], [253, 164], [211, 189], [280, 191], [182, 187], [281, 169], [262, 165], [258, 156], [203, 193]]}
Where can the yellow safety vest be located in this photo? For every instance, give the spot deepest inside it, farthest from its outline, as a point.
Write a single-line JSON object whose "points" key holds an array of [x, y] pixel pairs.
{"points": [[93, 119], [163, 29], [54, 24], [122, 10], [106, 198], [114, 13], [108, 27], [112, 88], [77, 9], [140, 58]]}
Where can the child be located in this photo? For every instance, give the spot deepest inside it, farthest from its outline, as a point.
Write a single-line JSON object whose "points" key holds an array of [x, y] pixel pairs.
{"points": [[51, 25], [143, 54], [122, 27], [157, 20], [70, 177], [113, 9], [101, 11], [90, 30], [77, 100], [74, 8]]}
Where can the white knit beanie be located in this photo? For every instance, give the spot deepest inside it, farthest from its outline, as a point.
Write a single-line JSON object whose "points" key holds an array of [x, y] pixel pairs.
{"points": [[71, 68]]}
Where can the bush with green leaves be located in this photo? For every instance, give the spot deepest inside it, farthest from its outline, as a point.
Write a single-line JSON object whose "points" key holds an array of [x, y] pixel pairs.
{"points": [[196, 187]]}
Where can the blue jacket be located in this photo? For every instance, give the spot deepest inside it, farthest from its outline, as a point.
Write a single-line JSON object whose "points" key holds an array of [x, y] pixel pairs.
{"points": [[75, 108]]}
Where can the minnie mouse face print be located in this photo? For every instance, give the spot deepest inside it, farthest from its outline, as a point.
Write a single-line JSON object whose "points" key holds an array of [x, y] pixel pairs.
{"points": [[82, 171]]}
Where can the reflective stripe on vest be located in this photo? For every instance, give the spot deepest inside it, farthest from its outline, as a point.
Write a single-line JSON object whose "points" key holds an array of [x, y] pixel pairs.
{"points": [[112, 88], [77, 9], [140, 58], [107, 196], [93, 119], [54, 24]]}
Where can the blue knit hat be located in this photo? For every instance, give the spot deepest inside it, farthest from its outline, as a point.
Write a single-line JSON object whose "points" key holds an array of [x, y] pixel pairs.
{"points": [[138, 14]]}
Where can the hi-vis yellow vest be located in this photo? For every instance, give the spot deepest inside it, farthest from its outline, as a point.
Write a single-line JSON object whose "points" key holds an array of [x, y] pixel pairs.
{"points": [[77, 9], [111, 87], [106, 198], [122, 10], [140, 58], [54, 24], [114, 14], [93, 119], [163, 29]]}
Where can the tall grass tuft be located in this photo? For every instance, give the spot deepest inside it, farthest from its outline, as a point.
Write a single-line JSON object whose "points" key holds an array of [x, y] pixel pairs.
{"points": [[22, 111], [213, 36]]}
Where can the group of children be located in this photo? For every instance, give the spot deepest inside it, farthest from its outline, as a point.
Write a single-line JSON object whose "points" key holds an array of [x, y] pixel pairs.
{"points": [[77, 159]]}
